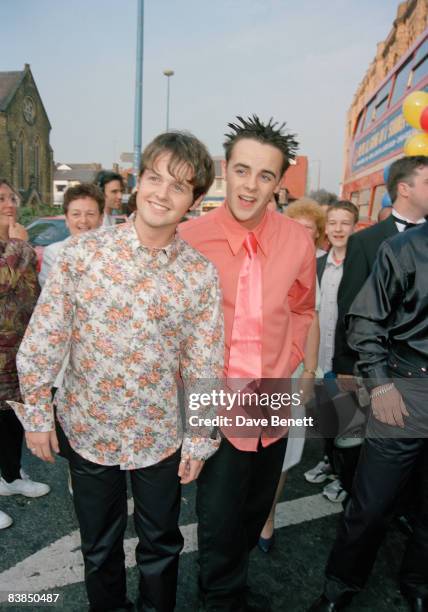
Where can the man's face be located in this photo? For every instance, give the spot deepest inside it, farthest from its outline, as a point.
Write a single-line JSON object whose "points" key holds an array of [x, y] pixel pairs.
{"points": [[83, 215], [417, 190], [8, 205], [163, 199], [113, 194], [340, 224], [253, 173]]}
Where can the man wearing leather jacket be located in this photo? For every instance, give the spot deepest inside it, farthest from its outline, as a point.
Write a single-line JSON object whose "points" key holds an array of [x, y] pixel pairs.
{"points": [[388, 327]]}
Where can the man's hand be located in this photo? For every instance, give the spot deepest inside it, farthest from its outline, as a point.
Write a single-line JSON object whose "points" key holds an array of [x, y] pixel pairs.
{"points": [[41, 444], [389, 407], [347, 383], [16, 230], [189, 469]]}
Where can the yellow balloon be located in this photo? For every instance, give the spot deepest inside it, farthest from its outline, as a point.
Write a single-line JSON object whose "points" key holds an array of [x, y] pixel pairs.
{"points": [[416, 144], [413, 106]]}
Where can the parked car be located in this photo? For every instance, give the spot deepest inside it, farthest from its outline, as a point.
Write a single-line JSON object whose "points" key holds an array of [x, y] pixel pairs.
{"points": [[47, 230]]}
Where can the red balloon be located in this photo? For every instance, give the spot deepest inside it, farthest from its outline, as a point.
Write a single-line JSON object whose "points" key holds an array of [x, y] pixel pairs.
{"points": [[424, 119]]}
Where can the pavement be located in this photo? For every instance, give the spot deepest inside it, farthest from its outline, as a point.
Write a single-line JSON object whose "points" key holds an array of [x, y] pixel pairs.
{"points": [[40, 553]]}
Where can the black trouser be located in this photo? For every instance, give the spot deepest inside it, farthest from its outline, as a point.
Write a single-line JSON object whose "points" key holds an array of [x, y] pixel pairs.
{"points": [[100, 501], [383, 471], [234, 497], [11, 437]]}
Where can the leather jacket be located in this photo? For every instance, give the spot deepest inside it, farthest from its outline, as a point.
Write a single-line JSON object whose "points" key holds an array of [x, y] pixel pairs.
{"points": [[388, 321]]}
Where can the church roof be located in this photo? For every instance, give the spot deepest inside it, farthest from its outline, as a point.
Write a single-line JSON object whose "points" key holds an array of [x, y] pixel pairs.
{"points": [[9, 83]]}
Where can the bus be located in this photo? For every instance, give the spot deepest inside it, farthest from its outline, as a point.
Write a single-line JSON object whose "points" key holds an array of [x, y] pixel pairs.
{"points": [[380, 130]]}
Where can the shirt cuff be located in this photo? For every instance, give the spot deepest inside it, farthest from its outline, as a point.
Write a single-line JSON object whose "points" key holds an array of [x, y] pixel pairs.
{"points": [[34, 418], [377, 376], [199, 448]]}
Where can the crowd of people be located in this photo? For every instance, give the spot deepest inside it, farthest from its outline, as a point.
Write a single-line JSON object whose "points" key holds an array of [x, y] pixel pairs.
{"points": [[133, 316]]}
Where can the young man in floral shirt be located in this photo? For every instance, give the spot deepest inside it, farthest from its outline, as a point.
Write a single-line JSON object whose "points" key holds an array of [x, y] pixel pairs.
{"points": [[135, 306]]}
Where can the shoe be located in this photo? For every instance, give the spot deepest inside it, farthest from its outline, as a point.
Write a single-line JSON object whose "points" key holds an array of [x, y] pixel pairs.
{"points": [[335, 492], [418, 604], [23, 486], [265, 544], [5, 520], [322, 604], [320, 473]]}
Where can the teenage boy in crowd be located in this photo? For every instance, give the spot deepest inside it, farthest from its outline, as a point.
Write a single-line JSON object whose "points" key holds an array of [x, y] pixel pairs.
{"points": [[341, 218], [134, 306], [266, 264]]}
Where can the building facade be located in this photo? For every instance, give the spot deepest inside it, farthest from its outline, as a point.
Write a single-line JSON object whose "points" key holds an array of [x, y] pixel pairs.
{"points": [[26, 157], [409, 24]]}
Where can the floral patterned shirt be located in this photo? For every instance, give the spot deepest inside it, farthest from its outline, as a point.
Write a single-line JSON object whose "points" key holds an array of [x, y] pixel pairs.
{"points": [[133, 318]]}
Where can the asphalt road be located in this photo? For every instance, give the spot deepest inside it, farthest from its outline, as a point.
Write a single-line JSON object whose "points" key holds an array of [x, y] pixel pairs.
{"points": [[40, 552]]}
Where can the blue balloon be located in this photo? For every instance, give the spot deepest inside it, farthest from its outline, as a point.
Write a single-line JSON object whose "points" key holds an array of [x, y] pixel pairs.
{"points": [[386, 173], [386, 200]]}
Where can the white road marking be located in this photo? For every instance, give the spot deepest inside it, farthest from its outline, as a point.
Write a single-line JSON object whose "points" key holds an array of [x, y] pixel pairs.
{"points": [[60, 563]]}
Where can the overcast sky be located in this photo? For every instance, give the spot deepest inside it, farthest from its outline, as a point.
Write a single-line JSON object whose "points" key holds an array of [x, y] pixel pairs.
{"points": [[299, 62]]}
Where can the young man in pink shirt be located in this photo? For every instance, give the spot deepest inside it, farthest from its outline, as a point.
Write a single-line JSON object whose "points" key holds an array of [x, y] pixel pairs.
{"points": [[266, 264]]}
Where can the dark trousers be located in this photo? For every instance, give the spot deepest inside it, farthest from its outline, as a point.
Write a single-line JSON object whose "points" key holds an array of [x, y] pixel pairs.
{"points": [[11, 438], [234, 497], [383, 471], [100, 501]]}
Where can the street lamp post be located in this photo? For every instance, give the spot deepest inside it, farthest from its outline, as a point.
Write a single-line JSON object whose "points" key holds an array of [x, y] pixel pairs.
{"points": [[168, 73]]}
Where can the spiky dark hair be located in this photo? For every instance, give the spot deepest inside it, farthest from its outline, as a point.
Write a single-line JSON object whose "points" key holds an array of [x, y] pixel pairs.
{"points": [[266, 133]]}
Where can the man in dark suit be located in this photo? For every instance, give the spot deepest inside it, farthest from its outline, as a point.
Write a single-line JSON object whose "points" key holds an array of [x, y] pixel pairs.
{"points": [[362, 526]]}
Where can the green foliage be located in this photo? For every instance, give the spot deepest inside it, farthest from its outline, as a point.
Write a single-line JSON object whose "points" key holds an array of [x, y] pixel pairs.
{"points": [[26, 214]]}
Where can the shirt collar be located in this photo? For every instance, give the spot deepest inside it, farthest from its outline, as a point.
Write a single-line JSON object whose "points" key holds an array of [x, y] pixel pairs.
{"points": [[155, 256], [236, 233], [397, 214], [330, 260]]}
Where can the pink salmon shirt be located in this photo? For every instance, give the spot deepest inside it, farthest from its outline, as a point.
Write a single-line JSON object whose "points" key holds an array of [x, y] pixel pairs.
{"points": [[288, 271]]}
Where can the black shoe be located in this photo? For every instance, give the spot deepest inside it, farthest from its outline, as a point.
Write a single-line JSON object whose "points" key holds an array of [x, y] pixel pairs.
{"points": [[265, 544], [322, 604], [418, 604]]}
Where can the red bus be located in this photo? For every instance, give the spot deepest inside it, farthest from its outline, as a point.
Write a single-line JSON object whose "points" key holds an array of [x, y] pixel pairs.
{"points": [[380, 131]]}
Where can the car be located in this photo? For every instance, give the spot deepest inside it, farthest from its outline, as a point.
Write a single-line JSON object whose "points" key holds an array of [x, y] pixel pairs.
{"points": [[47, 230]]}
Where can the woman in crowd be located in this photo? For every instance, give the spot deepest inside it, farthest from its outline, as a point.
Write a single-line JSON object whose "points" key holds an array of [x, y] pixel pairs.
{"points": [[308, 213], [19, 291]]}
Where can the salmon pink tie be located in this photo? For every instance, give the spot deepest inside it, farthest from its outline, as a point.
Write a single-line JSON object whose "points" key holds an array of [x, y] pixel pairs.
{"points": [[245, 358]]}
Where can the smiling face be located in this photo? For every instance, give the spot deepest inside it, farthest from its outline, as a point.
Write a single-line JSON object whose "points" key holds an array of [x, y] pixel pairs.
{"points": [[340, 224], [253, 174], [163, 200], [83, 215]]}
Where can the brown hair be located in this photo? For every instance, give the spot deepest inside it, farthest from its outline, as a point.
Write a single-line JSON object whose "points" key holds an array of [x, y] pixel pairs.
{"points": [[403, 171], [83, 190], [185, 149], [306, 207], [344, 205]]}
